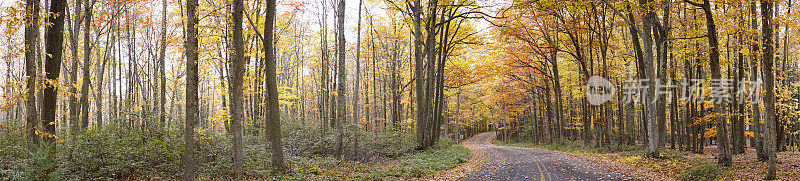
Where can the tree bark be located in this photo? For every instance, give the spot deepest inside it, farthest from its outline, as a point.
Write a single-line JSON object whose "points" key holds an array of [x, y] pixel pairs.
{"points": [[192, 108], [73, 78], [649, 22], [769, 84], [101, 72], [54, 40], [236, 92], [341, 112], [418, 74], [724, 157], [87, 52], [31, 44], [161, 58], [356, 87], [754, 76], [738, 132], [430, 80], [273, 122]]}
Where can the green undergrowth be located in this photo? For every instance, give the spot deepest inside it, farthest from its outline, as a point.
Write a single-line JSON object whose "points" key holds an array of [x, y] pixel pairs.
{"points": [[125, 152], [116, 153], [705, 172], [443, 156]]}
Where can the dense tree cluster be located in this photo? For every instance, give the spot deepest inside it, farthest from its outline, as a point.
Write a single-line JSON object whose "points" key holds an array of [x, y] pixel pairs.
{"points": [[553, 47]]}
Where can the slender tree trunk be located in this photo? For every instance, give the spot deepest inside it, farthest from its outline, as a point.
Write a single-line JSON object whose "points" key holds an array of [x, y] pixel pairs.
{"points": [[769, 84], [73, 77], [87, 52], [783, 138], [236, 92], [649, 21], [557, 85], [779, 142], [755, 76], [100, 77], [54, 40], [457, 126], [430, 52], [674, 126], [31, 59], [724, 157], [192, 108], [273, 121], [690, 109], [738, 133], [395, 89], [418, 74], [324, 105], [356, 87], [161, 58], [341, 112]]}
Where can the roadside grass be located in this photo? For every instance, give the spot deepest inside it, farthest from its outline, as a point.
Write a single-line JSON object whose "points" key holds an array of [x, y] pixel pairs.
{"points": [[705, 172], [443, 156], [673, 164]]}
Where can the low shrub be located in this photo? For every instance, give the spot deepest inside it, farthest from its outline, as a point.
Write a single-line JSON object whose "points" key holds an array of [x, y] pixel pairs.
{"points": [[444, 155], [704, 172]]}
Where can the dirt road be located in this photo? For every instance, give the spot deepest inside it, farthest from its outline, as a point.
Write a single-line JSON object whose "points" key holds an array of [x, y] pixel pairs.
{"points": [[516, 163]]}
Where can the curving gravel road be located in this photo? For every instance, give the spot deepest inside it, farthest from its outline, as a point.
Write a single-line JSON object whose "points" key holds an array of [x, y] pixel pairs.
{"points": [[516, 163]]}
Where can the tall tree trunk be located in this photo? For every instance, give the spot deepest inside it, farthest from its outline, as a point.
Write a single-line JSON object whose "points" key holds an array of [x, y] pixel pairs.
{"points": [[31, 44], [661, 37], [192, 108], [649, 21], [690, 109], [457, 126], [724, 157], [557, 85], [341, 112], [754, 76], [324, 105], [273, 121], [54, 40], [738, 133], [161, 59], [779, 141], [100, 77], [73, 75], [769, 83], [356, 87], [430, 80], [673, 116], [395, 89], [236, 92], [418, 74], [87, 52], [782, 137]]}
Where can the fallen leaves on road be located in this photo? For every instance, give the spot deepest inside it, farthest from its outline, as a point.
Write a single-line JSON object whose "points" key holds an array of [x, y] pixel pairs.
{"points": [[479, 157]]}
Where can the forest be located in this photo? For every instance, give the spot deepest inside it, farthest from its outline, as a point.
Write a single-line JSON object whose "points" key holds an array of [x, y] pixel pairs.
{"points": [[399, 90]]}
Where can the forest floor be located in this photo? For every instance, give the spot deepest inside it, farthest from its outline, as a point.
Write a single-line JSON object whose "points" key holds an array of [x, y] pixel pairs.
{"points": [[680, 165], [413, 166]]}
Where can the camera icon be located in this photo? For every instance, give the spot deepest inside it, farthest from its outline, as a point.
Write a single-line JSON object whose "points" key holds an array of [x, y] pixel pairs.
{"points": [[599, 90]]}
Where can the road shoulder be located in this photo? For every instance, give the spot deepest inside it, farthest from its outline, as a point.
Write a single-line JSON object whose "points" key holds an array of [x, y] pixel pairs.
{"points": [[475, 162]]}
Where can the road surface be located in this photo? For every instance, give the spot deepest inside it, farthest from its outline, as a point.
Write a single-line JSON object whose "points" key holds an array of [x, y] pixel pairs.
{"points": [[516, 163]]}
